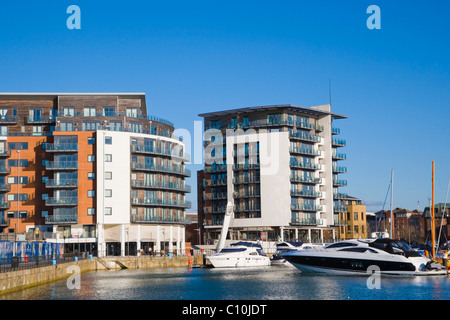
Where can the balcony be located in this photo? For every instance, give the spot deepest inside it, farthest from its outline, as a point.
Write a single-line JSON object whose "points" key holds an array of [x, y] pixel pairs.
{"points": [[40, 119], [216, 196], [66, 201], [4, 204], [62, 219], [245, 166], [60, 147], [60, 184], [339, 156], [304, 136], [161, 202], [5, 170], [298, 179], [305, 151], [217, 182], [5, 119], [306, 194], [158, 151], [306, 222], [306, 207], [244, 208], [216, 168], [158, 168], [5, 153], [340, 196], [337, 169], [241, 180], [61, 165], [246, 194], [339, 183], [340, 209], [140, 218], [335, 131], [160, 185], [339, 143], [305, 165], [5, 187], [4, 221]]}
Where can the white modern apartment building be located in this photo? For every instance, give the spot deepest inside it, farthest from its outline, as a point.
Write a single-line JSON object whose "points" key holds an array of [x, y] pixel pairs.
{"points": [[278, 166]]}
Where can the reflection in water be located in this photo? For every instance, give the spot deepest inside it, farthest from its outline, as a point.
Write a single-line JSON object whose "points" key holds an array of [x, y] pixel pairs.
{"points": [[275, 282]]}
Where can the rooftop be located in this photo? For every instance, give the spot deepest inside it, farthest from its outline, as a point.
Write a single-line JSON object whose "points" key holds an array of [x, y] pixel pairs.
{"points": [[311, 110]]}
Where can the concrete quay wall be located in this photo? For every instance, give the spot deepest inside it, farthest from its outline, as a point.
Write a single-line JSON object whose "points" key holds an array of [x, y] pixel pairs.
{"points": [[22, 279]]}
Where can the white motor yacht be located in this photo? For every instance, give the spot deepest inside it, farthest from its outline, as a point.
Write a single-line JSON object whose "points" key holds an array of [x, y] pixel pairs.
{"points": [[240, 254], [356, 256], [288, 246]]}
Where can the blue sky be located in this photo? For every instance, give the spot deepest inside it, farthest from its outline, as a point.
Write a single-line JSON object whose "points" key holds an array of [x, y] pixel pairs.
{"points": [[191, 57]]}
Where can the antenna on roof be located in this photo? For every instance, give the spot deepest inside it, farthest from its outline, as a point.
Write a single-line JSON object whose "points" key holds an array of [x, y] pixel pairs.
{"points": [[329, 88]]}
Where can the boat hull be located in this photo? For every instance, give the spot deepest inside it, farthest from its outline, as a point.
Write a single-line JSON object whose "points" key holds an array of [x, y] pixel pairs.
{"points": [[350, 266], [238, 262]]}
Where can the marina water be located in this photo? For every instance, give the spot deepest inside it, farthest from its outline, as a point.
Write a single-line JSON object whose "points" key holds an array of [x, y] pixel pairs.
{"points": [[267, 283]]}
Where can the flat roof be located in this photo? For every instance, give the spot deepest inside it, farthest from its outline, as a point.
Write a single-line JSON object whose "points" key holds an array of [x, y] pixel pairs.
{"points": [[272, 107]]}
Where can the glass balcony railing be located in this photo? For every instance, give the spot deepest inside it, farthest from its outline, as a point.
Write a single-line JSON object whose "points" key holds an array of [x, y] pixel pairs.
{"points": [[305, 179], [339, 143], [339, 183], [67, 218], [161, 202], [307, 221], [61, 165], [160, 168], [66, 183], [141, 218], [301, 135], [60, 147], [65, 201], [339, 156], [306, 193], [305, 165], [160, 185], [306, 151], [306, 207], [158, 151]]}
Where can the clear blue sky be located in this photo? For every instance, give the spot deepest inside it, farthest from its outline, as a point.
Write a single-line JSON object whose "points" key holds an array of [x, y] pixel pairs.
{"points": [[191, 57]]}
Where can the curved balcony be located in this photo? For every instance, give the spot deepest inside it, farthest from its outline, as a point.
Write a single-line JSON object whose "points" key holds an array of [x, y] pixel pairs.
{"points": [[305, 165], [305, 151], [62, 219], [142, 149], [158, 168], [306, 194], [299, 179], [306, 222], [140, 218], [161, 202], [140, 184]]}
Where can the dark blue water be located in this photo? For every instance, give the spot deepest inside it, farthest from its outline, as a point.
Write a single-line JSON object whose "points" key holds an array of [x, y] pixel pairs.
{"points": [[273, 283]]}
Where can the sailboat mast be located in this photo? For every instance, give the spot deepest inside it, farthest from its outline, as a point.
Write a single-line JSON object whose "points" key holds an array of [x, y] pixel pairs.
{"points": [[433, 231], [392, 199]]}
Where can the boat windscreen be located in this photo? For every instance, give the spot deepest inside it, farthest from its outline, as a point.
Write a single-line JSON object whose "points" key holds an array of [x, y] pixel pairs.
{"points": [[229, 250]]}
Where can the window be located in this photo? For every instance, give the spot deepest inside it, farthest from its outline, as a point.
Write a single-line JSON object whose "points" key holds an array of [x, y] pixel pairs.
{"points": [[35, 114], [91, 140], [132, 112], [90, 125], [3, 130], [115, 125], [135, 127], [89, 112], [355, 216], [44, 196], [44, 214], [362, 216], [108, 140], [68, 111], [91, 193], [13, 197], [108, 157], [13, 180], [91, 175], [108, 211], [17, 163], [66, 126], [90, 211], [91, 158], [108, 193], [14, 214], [18, 145], [108, 175], [37, 130], [108, 112]]}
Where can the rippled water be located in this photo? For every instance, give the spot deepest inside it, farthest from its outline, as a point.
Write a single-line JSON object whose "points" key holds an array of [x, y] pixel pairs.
{"points": [[274, 283]]}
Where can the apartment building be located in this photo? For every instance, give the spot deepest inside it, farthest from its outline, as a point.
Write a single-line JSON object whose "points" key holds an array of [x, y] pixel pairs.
{"points": [[353, 221], [93, 171], [279, 166]]}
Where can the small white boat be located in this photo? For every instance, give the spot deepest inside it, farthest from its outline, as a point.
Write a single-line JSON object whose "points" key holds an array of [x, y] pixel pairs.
{"points": [[240, 254]]}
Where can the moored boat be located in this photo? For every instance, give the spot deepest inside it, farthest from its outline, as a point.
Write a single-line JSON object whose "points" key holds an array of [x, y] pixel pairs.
{"points": [[240, 254], [389, 256]]}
